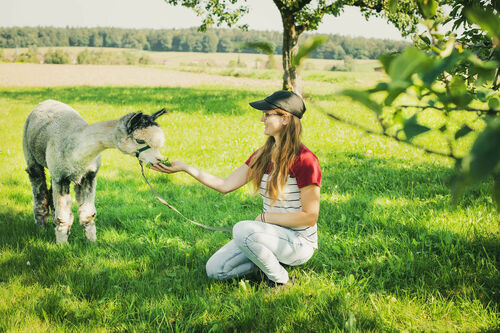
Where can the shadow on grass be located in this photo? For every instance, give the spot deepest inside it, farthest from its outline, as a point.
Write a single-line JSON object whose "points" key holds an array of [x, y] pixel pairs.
{"points": [[375, 225], [383, 223], [206, 100]]}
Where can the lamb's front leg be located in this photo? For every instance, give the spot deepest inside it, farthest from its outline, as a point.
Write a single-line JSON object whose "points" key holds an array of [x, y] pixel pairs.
{"points": [[62, 204], [85, 196]]}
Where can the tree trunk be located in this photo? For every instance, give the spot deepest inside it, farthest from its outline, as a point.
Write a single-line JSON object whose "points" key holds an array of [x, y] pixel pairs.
{"points": [[291, 79]]}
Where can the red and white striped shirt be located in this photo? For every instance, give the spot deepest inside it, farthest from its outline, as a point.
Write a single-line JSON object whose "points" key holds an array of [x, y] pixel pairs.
{"points": [[304, 171]]}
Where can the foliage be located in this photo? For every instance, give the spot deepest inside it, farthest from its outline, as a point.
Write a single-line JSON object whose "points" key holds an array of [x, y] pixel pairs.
{"points": [[56, 57], [190, 40], [306, 49], [215, 12], [447, 77], [30, 56], [264, 47], [101, 57], [393, 256], [145, 60], [349, 64], [297, 17]]}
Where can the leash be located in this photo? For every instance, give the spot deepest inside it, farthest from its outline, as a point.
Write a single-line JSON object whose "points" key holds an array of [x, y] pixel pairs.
{"points": [[175, 209]]}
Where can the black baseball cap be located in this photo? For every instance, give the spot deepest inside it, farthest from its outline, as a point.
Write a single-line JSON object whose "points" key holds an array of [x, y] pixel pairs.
{"points": [[283, 99]]}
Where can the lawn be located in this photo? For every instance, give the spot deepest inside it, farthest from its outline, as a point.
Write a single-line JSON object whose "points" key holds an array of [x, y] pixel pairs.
{"points": [[394, 255]]}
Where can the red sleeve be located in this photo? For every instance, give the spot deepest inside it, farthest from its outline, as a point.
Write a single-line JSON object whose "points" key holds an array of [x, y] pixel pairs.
{"points": [[306, 169], [250, 158]]}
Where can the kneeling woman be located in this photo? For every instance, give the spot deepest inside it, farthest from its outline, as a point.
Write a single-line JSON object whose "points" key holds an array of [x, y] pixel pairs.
{"points": [[288, 177]]}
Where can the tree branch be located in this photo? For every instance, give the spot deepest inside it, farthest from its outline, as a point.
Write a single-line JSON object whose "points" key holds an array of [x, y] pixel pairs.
{"points": [[279, 4], [423, 107], [369, 131], [378, 7], [300, 29], [496, 84]]}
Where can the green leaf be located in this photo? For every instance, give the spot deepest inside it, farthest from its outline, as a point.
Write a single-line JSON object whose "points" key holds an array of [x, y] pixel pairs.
{"points": [[484, 155], [442, 65], [463, 131], [166, 162], [412, 128], [263, 46], [396, 88], [485, 70], [493, 102], [364, 98], [457, 86], [381, 86], [407, 63], [306, 49], [487, 20], [428, 8], [482, 94], [393, 6], [425, 39], [458, 92], [386, 60]]}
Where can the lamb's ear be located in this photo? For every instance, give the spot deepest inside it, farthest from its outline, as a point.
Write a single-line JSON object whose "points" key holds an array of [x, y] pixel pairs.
{"points": [[133, 121], [158, 113]]}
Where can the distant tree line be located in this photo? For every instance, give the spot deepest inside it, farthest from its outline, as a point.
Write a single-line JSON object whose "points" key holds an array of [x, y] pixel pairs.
{"points": [[190, 40]]}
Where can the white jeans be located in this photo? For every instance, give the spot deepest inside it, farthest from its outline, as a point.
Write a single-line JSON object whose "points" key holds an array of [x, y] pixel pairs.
{"points": [[262, 244]]}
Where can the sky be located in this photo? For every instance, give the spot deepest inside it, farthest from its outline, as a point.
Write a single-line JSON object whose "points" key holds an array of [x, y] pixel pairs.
{"points": [[157, 14]]}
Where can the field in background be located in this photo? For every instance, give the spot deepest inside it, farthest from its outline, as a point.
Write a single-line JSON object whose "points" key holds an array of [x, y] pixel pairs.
{"points": [[393, 254], [193, 59]]}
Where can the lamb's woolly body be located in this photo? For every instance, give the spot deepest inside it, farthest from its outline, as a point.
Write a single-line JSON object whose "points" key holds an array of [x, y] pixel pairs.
{"points": [[56, 137]]}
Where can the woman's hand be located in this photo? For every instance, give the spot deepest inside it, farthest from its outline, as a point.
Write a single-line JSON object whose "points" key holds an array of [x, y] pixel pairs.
{"points": [[176, 166]]}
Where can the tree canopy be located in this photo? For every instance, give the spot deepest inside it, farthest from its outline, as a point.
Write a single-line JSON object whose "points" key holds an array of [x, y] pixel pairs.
{"points": [[299, 16], [449, 75], [190, 40]]}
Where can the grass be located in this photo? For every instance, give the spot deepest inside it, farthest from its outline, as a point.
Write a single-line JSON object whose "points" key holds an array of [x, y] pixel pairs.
{"points": [[345, 79], [393, 254]]}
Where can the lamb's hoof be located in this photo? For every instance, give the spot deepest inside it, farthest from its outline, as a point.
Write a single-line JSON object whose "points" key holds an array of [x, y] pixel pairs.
{"points": [[40, 226], [61, 238], [62, 235], [42, 222], [91, 232]]}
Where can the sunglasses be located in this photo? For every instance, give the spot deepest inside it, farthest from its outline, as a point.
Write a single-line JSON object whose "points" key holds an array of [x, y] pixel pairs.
{"points": [[267, 115]]}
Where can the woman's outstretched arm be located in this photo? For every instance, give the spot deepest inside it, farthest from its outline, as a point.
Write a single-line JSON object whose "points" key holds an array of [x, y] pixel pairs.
{"points": [[234, 181]]}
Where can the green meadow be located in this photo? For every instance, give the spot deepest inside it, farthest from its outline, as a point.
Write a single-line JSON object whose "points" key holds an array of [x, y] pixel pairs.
{"points": [[394, 254]]}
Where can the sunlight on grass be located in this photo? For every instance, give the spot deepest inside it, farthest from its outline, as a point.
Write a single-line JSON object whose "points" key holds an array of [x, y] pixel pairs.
{"points": [[393, 253]]}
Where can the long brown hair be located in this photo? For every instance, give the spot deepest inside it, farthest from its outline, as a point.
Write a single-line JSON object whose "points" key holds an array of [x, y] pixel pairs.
{"points": [[280, 157]]}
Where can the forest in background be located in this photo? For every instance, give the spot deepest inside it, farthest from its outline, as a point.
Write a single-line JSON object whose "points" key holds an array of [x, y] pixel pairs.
{"points": [[190, 40]]}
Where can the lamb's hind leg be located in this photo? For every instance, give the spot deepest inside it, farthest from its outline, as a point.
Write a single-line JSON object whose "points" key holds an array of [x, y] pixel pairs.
{"points": [[41, 196], [85, 196], [63, 214]]}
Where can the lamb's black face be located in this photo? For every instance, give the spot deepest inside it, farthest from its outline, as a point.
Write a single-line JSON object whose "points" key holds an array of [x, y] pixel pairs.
{"points": [[140, 120]]}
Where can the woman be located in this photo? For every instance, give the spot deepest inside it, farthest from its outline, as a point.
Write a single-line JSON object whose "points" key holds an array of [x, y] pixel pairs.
{"points": [[288, 178]]}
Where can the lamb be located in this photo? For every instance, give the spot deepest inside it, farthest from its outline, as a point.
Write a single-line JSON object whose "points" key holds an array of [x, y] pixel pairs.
{"points": [[57, 138]]}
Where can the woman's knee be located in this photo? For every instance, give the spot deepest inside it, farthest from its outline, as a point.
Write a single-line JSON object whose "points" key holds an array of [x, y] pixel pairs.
{"points": [[213, 269], [242, 230]]}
